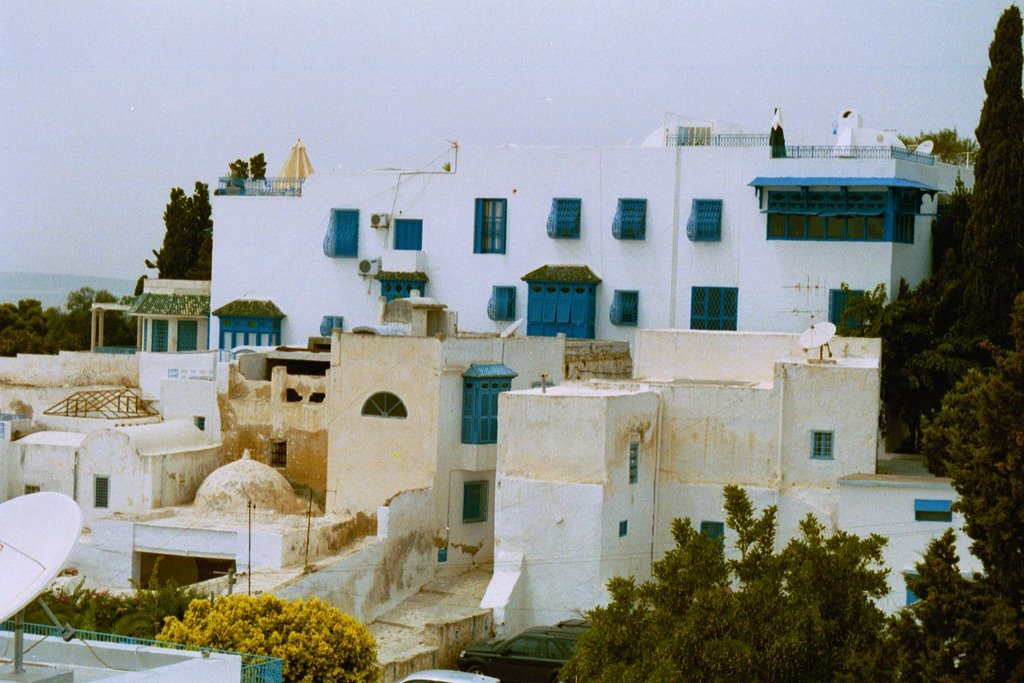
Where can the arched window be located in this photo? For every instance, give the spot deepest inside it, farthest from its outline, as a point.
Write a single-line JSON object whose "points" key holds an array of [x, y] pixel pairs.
{"points": [[384, 404]]}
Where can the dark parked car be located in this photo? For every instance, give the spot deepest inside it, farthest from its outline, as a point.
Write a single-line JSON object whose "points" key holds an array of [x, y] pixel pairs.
{"points": [[534, 656]]}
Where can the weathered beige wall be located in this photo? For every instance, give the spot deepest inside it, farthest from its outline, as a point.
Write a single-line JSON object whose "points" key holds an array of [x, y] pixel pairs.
{"points": [[70, 369]]}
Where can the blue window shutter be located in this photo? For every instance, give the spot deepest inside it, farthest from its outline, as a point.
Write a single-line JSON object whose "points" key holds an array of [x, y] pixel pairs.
{"points": [[564, 219], [625, 307], [478, 231], [502, 304], [408, 234], [838, 299], [705, 222], [931, 510], [342, 239], [159, 336], [329, 322], [713, 530], [187, 334], [564, 306], [469, 412], [630, 220]]}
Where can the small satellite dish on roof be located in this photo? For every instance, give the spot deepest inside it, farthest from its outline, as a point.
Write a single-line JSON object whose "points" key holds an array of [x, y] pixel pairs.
{"points": [[818, 335], [925, 147], [37, 533]]}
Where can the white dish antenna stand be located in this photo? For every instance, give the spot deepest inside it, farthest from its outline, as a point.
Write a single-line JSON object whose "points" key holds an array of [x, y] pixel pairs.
{"points": [[818, 336]]}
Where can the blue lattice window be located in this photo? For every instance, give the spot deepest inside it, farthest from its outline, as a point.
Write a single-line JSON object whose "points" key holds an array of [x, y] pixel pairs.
{"points": [[159, 336], [838, 299], [705, 223], [713, 530], [187, 335], [713, 308], [101, 492], [482, 383], [564, 219], [625, 309], [822, 445], [489, 232], [474, 502], [502, 304], [342, 238], [630, 220], [331, 322], [930, 510], [408, 234]]}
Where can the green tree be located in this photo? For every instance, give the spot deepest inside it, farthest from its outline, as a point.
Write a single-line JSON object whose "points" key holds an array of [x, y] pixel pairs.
{"points": [[238, 169], [69, 330], [23, 328], [994, 239], [317, 642], [187, 245], [978, 440], [761, 616], [258, 167], [949, 146]]}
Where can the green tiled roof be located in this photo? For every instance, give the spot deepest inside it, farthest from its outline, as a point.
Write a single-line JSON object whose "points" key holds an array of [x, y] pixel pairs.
{"points": [[191, 305], [489, 370], [249, 308], [398, 275], [561, 274]]}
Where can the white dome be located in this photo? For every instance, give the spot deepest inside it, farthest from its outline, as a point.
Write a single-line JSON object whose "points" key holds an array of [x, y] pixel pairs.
{"points": [[231, 487]]}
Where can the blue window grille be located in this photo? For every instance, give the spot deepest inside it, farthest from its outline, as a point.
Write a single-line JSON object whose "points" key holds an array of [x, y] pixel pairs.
{"points": [[101, 492], [713, 308], [187, 335], [705, 223], [331, 322], [821, 446], [384, 404], [930, 510], [713, 530], [812, 213], [243, 331], [401, 289], [623, 528], [408, 234], [489, 233], [634, 463], [159, 336], [482, 383], [474, 502], [625, 309], [630, 220], [502, 304], [837, 302], [564, 219], [342, 238]]}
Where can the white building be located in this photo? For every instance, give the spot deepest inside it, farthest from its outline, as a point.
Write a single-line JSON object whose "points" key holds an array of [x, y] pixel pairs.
{"points": [[697, 228], [590, 476]]}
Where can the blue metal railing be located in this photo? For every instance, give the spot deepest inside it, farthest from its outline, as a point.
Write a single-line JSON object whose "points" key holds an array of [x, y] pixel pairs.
{"points": [[264, 187], [10, 417], [862, 152], [127, 350], [255, 668], [721, 140]]}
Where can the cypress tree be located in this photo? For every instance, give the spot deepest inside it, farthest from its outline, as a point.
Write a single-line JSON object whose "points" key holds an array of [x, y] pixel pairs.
{"points": [[994, 238]]}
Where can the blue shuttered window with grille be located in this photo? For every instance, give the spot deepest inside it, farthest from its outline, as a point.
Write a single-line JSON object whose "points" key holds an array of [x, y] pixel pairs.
{"points": [[489, 231], [844, 214], [564, 219], [705, 223], [822, 444], [159, 336], [408, 234], [474, 502], [630, 220], [625, 308], [187, 335], [331, 322], [480, 389], [713, 308], [502, 304], [837, 302], [342, 238]]}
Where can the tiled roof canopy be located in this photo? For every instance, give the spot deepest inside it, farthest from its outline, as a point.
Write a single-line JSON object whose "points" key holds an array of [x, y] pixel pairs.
{"points": [[489, 370], [398, 275], [249, 308], [561, 274], [190, 305]]}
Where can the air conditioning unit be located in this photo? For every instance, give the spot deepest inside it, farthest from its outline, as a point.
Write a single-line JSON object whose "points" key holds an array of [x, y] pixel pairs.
{"points": [[369, 267], [380, 220]]}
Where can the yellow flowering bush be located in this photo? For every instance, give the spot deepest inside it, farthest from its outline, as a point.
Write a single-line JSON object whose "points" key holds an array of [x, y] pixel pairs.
{"points": [[316, 641]]}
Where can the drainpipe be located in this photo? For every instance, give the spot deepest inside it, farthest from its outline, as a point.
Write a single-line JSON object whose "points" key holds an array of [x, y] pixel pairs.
{"points": [[674, 275], [782, 413], [74, 477], [654, 484]]}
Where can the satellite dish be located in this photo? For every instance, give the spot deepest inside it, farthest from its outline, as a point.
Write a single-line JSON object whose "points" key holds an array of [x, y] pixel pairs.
{"points": [[37, 533], [818, 336], [925, 147]]}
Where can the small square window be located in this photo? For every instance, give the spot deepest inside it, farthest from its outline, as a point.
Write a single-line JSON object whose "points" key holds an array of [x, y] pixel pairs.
{"points": [[101, 492], [928, 510], [200, 422], [408, 234], [634, 463], [713, 308], [31, 488], [630, 220], [474, 502], [623, 528], [713, 530], [625, 307], [564, 219], [838, 300], [279, 454], [821, 446]]}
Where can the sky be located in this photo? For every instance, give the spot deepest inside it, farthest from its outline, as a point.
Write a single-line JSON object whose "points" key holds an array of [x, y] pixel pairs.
{"points": [[106, 106]]}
